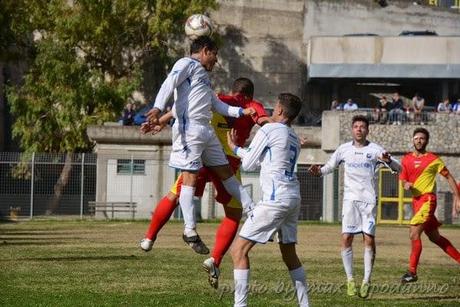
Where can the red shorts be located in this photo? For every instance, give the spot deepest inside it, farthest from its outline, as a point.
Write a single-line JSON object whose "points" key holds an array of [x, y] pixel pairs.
{"points": [[206, 175], [424, 207]]}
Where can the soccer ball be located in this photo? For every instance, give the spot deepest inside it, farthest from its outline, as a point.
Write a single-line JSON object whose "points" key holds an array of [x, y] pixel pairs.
{"points": [[198, 25]]}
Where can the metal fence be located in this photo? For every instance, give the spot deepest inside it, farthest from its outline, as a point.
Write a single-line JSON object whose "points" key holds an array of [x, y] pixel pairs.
{"points": [[46, 184], [64, 185], [400, 117]]}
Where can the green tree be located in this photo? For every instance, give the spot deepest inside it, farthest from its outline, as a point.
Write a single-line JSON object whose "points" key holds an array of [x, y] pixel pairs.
{"points": [[89, 56]]}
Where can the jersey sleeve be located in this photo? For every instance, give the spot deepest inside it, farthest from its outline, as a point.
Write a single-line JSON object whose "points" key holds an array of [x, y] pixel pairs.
{"points": [[224, 109], [333, 162], [393, 165], [441, 168], [260, 111], [403, 174], [253, 155], [179, 73]]}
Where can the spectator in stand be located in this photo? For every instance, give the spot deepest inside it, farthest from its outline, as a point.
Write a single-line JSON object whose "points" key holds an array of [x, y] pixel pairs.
{"points": [[335, 105], [456, 107], [444, 106], [381, 110], [418, 103], [350, 105], [127, 117], [397, 111]]}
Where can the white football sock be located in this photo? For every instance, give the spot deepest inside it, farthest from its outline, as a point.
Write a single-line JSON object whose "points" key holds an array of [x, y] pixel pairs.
{"points": [[234, 188], [347, 258], [188, 208], [300, 284], [241, 279], [369, 257]]}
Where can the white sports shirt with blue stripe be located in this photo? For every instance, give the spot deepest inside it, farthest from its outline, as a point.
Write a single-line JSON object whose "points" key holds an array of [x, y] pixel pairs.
{"points": [[275, 148], [194, 97], [360, 165]]}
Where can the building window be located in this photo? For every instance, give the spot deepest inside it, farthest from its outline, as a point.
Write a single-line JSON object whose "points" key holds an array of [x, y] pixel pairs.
{"points": [[124, 167]]}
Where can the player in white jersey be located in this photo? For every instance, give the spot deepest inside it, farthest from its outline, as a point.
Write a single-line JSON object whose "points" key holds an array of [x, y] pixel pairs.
{"points": [[194, 141], [275, 148], [361, 160]]}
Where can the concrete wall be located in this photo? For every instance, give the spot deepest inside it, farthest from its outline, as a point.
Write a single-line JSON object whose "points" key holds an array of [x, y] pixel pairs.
{"points": [[384, 50], [267, 40]]}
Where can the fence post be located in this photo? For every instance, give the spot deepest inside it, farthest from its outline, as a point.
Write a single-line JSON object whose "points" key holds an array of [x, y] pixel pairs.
{"points": [[82, 184], [32, 186]]}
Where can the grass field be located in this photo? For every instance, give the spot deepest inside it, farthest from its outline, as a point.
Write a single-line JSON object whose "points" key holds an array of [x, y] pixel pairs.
{"points": [[96, 263]]}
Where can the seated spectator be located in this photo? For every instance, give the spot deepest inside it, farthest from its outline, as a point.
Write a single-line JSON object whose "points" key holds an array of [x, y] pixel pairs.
{"points": [[456, 107], [418, 103], [444, 106], [381, 110], [397, 112], [128, 113], [350, 106]]}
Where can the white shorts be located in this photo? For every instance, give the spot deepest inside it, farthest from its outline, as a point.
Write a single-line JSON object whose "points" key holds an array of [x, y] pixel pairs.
{"points": [[358, 216], [198, 145], [270, 217]]}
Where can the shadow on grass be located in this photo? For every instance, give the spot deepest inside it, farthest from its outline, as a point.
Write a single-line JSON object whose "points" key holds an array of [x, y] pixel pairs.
{"points": [[8, 239], [34, 232], [80, 258], [23, 243]]}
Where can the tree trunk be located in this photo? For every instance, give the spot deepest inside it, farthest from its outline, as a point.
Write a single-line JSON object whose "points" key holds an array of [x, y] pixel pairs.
{"points": [[60, 185]]}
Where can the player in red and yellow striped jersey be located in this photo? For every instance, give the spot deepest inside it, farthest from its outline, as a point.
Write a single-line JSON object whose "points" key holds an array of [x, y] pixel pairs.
{"points": [[419, 170], [242, 95]]}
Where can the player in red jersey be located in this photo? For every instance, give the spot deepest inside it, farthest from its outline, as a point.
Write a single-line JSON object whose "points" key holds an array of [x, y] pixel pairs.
{"points": [[419, 169], [242, 95]]}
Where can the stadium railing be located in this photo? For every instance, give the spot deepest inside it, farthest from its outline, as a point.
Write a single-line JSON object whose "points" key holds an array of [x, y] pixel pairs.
{"points": [[400, 118]]}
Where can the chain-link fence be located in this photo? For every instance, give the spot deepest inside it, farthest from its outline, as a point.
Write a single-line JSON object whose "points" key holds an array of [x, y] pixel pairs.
{"points": [[46, 184]]}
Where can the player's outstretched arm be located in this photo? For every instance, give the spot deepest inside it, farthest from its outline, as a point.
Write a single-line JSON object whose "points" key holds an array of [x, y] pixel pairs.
{"points": [[390, 162], [455, 191], [332, 163], [222, 108], [251, 156], [156, 128]]}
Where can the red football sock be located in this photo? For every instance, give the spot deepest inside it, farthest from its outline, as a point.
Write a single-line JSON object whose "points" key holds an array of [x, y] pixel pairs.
{"points": [[160, 216], [448, 248], [224, 238], [415, 255]]}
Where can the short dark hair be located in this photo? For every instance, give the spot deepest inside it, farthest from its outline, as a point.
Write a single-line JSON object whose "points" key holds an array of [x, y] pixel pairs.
{"points": [[291, 105], [203, 42], [422, 130], [360, 118], [243, 86]]}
